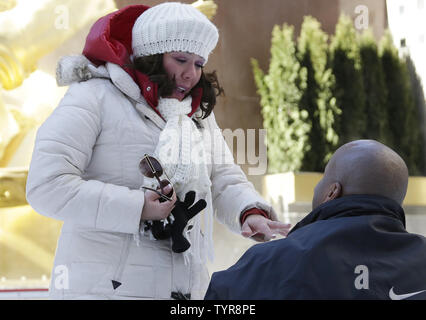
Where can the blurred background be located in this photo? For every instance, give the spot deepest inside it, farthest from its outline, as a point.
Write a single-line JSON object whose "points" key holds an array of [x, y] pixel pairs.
{"points": [[353, 69]]}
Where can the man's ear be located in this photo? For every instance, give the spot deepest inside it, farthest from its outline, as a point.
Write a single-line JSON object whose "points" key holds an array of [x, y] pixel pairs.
{"points": [[334, 191]]}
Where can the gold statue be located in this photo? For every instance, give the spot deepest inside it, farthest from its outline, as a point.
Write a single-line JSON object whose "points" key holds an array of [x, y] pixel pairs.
{"points": [[51, 24], [9, 128], [24, 40], [7, 5], [208, 7]]}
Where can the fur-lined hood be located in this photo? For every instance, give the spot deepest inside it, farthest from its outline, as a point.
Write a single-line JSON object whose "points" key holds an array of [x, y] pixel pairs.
{"points": [[77, 68]]}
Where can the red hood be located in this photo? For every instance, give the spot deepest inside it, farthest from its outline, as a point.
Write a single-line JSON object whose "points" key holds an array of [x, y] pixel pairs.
{"points": [[110, 40]]}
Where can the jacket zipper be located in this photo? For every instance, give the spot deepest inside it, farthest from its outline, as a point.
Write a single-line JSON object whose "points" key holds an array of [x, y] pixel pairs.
{"points": [[116, 281]]}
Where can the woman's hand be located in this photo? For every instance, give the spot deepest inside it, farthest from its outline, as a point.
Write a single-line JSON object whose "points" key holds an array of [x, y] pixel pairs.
{"points": [[153, 209], [262, 229]]}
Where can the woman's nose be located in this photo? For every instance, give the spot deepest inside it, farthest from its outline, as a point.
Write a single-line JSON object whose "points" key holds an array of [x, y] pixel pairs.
{"points": [[189, 72]]}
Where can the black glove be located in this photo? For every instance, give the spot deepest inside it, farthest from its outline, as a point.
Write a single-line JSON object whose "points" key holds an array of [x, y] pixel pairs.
{"points": [[158, 229], [182, 213]]}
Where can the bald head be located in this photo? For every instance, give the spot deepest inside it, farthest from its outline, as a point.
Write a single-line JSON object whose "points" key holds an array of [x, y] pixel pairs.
{"points": [[363, 167]]}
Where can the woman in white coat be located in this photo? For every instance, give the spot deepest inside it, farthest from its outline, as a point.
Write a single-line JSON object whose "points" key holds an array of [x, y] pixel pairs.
{"points": [[139, 89]]}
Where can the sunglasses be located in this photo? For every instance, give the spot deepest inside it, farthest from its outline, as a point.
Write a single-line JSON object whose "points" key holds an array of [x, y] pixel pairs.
{"points": [[151, 168]]}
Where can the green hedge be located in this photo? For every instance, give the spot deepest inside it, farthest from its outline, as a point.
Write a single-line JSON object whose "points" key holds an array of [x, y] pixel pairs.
{"points": [[281, 92], [320, 93]]}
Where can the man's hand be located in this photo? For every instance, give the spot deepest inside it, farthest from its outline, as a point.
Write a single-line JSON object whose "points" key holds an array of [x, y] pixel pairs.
{"points": [[262, 229]]}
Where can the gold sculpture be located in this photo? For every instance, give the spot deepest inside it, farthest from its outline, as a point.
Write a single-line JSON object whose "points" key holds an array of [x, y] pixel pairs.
{"points": [[7, 5], [208, 7], [25, 37], [50, 25]]}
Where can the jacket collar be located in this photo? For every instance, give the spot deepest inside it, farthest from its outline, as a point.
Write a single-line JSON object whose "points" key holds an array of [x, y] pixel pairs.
{"points": [[354, 205]]}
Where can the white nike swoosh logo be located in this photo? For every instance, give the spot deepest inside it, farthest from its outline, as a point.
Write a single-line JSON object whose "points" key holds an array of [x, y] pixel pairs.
{"points": [[395, 296]]}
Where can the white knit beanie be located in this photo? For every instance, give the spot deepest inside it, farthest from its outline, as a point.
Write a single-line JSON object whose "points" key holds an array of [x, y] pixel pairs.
{"points": [[173, 26]]}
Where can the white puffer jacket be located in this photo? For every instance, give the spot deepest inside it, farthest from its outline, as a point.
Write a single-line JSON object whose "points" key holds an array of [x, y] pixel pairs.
{"points": [[84, 171]]}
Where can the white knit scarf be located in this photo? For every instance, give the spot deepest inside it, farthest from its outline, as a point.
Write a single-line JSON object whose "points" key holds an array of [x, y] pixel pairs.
{"points": [[181, 152]]}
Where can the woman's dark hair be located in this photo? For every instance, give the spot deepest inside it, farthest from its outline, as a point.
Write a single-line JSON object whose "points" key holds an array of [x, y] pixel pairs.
{"points": [[152, 66]]}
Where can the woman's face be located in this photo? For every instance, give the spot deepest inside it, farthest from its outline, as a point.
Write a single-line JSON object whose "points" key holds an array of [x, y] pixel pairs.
{"points": [[185, 68]]}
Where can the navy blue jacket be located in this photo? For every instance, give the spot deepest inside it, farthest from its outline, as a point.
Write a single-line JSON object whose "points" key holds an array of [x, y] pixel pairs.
{"points": [[354, 247]]}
